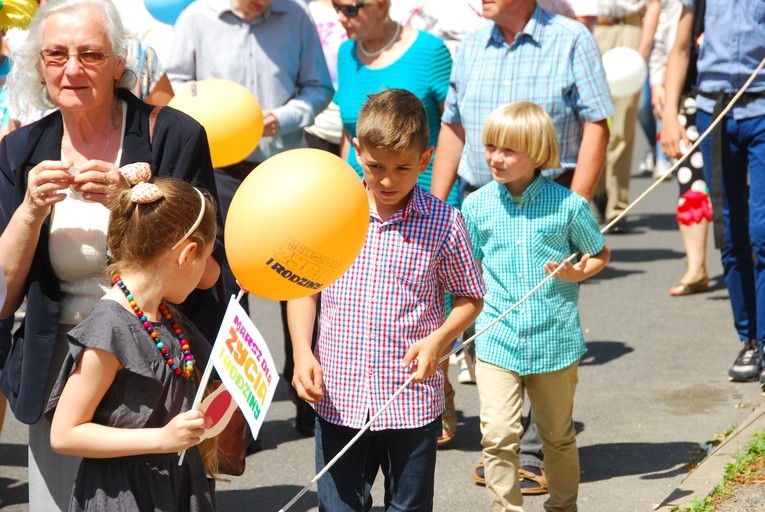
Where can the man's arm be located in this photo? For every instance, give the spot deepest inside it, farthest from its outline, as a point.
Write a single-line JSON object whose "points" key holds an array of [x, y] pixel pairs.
{"points": [[313, 88], [451, 140], [592, 105], [181, 66], [592, 155]]}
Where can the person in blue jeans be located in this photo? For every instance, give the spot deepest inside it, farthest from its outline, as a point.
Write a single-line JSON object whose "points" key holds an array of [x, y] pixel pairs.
{"points": [[734, 155]]}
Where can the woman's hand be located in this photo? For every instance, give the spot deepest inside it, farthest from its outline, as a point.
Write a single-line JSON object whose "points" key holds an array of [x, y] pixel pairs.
{"points": [[45, 186], [99, 181], [182, 432], [674, 140]]}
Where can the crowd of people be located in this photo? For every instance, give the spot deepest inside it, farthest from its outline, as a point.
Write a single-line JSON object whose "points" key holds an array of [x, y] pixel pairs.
{"points": [[485, 135]]}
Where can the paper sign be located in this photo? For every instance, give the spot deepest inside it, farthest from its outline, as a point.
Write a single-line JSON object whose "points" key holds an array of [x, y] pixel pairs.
{"points": [[245, 366]]}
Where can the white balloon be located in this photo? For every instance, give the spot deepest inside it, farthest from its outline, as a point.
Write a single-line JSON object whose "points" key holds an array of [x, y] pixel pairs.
{"points": [[626, 71]]}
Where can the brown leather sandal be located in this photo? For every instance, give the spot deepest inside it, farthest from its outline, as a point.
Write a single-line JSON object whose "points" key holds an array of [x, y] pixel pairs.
{"points": [[449, 421], [533, 480], [698, 286], [479, 476]]}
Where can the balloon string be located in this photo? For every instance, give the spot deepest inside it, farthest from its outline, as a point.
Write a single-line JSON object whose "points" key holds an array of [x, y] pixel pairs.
{"points": [[404, 386], [688, 151], [349, 445], [466, 342]]}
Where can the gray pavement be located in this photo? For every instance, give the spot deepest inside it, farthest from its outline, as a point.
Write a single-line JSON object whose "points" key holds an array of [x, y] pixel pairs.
{"points": [[702, 481], [652, 390]]}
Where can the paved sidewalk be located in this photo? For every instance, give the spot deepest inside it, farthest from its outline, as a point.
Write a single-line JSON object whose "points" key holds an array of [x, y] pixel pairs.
{"points": [[702, 481], [652, 388]]}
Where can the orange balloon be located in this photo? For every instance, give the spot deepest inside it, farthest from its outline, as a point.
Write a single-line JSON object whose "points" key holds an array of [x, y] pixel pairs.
{"points": [[296, 224], [230, 114]]}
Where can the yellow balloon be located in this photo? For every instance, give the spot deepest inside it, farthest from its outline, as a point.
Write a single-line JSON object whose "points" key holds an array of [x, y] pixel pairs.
{"points": [[296, 224], [230, 114]]}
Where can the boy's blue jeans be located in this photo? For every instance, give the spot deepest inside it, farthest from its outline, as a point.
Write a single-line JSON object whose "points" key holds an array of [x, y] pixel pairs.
{"points": [[407, 458], [743, 197]]}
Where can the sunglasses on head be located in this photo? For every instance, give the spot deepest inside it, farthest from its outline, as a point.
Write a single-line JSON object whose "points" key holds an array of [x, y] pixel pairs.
{"points": [[350, 11]]}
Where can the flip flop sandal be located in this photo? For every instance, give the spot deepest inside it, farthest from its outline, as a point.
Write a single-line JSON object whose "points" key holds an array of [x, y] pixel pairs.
{"points": [[533, 480], [449, 422], [479, 476], [681, 289]]}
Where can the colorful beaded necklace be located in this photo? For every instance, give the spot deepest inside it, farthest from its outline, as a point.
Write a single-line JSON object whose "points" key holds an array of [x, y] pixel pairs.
{"points": [[188, 363]]}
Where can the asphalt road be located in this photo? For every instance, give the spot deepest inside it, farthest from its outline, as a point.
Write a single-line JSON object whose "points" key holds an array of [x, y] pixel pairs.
{"points": [[653, 388]]}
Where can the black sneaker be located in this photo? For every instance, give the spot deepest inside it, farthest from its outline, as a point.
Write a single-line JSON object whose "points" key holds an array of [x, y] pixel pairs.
{"points": [[620, 228], [748, 364]]}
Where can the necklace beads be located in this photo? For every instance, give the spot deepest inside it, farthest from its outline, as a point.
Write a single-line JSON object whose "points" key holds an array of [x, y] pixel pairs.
{"points": [[385, 47], [183, 368]]}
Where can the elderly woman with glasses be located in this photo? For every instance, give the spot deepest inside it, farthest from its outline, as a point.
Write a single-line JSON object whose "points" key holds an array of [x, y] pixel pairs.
{"points": [[58, 177]]}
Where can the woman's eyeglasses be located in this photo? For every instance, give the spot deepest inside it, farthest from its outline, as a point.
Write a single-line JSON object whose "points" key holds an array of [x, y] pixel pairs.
{"points": [[350, 11], [60, 57]]}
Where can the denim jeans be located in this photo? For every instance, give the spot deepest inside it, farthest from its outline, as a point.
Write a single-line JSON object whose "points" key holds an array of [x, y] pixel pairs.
{"points": [[407, 458], [645, 115], [743, 196]]}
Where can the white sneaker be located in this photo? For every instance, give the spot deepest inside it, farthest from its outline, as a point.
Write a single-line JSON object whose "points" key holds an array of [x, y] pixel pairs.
{"points": [[647, 165], [661, 168], [467, 371]]}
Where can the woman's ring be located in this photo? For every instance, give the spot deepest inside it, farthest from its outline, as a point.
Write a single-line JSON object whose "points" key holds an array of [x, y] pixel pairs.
{"points": [[40, 193]]}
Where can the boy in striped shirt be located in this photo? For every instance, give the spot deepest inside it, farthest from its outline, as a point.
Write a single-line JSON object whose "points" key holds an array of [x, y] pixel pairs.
{"points": [[521, 226], [384, 319]]}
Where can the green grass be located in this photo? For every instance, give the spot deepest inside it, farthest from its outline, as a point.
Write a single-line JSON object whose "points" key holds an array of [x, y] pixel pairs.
{"points": [[746, 463]]}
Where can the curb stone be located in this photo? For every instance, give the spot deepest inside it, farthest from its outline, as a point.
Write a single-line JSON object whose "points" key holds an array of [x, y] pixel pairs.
{"points": [[709, 473]]}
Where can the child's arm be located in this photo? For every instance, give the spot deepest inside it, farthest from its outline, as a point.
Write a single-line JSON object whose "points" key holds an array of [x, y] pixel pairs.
{"points": [[74, 433], [429, 350], [308, 377], [587, 267]]}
